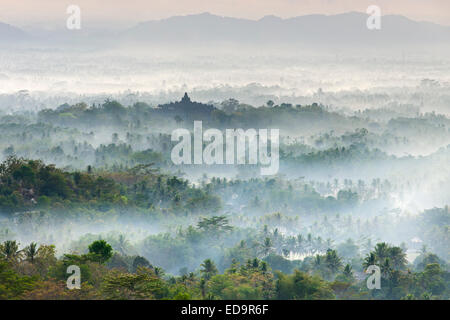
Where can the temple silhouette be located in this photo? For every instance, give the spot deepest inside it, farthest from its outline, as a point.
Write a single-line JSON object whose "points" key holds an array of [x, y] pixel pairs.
{"points": [[186, 108], [185, 98]]}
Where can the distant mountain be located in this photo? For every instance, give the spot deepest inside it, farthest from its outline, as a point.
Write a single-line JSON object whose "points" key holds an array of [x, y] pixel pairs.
{"points": [[9, 33], [347, 28]]}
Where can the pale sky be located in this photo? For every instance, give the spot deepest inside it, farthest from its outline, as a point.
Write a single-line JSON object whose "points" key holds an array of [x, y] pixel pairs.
{"points": [[106, 13]]}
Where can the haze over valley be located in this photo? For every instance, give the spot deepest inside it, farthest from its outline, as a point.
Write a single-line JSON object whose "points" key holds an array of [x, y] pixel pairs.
{"points": [[87, 171]]}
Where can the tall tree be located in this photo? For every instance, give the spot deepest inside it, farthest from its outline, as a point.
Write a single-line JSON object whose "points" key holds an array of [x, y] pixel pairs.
{"points": [[266, 247], [381, 251], [101, 249], [9, 250], [333, 261], [209, 269], [397, 258], [31, 251], [370, 260]]}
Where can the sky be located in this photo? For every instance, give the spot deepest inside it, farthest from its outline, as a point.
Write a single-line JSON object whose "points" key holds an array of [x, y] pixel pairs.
{"points": [[107, 13]]}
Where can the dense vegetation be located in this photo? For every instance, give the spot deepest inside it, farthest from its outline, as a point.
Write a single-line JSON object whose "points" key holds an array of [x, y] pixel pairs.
{"points": [[30, 184], [94, 186], [35, 273]]}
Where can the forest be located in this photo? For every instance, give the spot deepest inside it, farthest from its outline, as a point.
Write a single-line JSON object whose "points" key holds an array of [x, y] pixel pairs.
{"points": [[93, 185]]}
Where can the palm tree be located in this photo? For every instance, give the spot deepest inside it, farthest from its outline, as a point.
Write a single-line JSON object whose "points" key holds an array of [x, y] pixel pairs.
{"points": [[31, 252], [265, 230], [290, 243], [370, 260], [299, 246], [386, 268], [122, 244], [309, 241], [209, 269], [317, 261], [381, 251], [368, 245], [203, 287], [159, 272], [10, 251], [397, 258], [348, 271], [318, 244], [266, 247], [183, 279], [333, 261], [215, 225], [264, 267]]}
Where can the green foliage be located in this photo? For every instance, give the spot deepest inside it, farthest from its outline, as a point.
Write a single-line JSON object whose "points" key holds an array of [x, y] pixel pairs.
{"points": [[9, 250], [301, 286], [29, 184], [387, 256], [101, 250], [209, 269], [254, 279], [126, 286], [214, 225], [125, 177], [278, 263], [13, 285]]}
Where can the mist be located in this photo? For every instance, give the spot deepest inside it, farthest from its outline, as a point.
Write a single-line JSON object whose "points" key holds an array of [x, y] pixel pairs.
{"points": [[85, 146]]}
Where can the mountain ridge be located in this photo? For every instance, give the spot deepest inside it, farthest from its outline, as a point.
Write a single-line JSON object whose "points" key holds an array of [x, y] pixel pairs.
{"points": [[12, 33], [317, 28], [345, 29]]}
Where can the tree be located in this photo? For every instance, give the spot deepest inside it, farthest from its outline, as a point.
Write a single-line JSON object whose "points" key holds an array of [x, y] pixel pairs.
{"points": [[25, 174], [348, 272], [428, 258], [216, 224], [300, 285], [57, 290], [386, 268], [348, 249], [31, 252], [317, 261], [12, 285], [127, 286], [203, 287], [122, 244], [9, 250], [370, 260], [101, 250], [266, 247], [140, 262], [159, 272], [432, 280], [381, 251], [45, 259], [209, 269], [332, 260], [397, 258]]}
